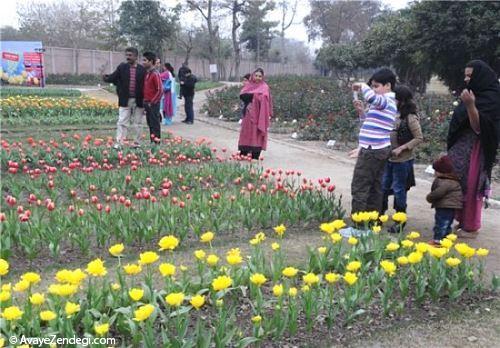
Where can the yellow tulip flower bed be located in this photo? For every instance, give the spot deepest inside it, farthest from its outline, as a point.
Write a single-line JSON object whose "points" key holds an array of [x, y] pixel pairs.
{"points": [[240, 298]]}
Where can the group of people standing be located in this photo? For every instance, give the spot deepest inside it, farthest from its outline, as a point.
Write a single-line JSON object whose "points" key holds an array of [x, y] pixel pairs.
{"points": [[149, 89], [390, 132]]}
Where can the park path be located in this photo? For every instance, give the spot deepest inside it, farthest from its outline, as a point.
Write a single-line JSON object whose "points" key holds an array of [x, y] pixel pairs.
{"points": [[315, 162]]}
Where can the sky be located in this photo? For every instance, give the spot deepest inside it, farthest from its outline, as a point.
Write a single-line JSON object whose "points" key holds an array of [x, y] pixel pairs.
{"points": [[8, 16]]}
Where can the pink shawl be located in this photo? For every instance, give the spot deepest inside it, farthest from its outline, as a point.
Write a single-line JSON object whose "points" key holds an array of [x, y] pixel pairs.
{"points": [[256, 122], [262, 95]]}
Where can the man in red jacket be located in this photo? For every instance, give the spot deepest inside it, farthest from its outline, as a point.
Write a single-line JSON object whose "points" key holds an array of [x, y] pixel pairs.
{"points": [[153, 91]]}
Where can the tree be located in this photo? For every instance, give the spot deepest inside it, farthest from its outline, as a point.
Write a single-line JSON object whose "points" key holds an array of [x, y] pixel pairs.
{"points": [[393, 41], [452, 33], [148, 25], [74, 24], [206, 9], [341, 21], [340, 58], [236, 7], [285, 23], [185, 43], [256, 31], [109, 33], [10, 33]]}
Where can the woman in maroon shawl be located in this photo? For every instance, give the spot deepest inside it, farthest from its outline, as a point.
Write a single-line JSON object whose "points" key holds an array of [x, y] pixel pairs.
{"points": [[473, 139], [257, 113]]}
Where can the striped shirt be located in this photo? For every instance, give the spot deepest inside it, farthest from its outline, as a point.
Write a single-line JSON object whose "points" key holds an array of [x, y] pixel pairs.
{"points": [[131, 86], [378, 122]]}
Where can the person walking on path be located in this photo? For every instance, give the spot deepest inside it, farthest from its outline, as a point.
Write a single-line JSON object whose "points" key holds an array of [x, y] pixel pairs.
{"points": [[169, 99], [473, 138], [399, 175], [374, 140], [257, 113], [153, 92], [187, 91], [128, 78]]}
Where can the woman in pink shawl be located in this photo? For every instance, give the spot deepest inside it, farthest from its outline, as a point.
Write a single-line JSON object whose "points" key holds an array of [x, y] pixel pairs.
{"points": [[257, 113]]}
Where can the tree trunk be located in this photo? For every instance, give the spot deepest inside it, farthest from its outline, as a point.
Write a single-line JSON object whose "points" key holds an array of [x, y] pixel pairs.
{"points": [[211, 50], [234, 36]]}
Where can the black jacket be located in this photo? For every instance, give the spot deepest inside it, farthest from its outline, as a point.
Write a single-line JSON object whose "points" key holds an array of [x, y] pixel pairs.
{"points": [[182, 73], [121, 79], [187, 89]]}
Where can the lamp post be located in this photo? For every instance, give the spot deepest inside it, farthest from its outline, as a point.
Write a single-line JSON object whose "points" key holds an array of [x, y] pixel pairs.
{"points": [[40, 56]]}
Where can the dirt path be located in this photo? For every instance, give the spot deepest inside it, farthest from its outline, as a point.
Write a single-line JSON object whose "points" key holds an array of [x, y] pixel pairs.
{"points": [[316, 163]]}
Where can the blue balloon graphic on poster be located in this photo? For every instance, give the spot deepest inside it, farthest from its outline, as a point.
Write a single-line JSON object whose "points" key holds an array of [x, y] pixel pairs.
{"points": [[22, 63]]}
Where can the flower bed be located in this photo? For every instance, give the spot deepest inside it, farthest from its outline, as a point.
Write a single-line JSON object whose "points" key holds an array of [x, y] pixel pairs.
{"points": [[37, 110], [80, 193], [237, 299], [41, 92], [317, 109]]}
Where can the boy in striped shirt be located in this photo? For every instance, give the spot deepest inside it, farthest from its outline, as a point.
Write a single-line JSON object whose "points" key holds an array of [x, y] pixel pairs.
{"points": [[374, 140]]}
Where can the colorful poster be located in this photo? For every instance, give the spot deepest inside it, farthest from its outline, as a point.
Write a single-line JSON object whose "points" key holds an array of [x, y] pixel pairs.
{"points": [[22, 63]]}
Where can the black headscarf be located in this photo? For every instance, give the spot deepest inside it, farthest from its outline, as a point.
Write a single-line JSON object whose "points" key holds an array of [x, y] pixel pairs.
{"points": [[484, 84]]}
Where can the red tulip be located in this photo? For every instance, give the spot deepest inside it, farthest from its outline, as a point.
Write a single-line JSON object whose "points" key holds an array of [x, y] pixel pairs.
{"points": [[51, 206]]}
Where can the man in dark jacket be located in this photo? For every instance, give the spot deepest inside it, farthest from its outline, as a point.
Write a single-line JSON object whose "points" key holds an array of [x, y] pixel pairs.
{"points": [[182, 75], [187, 91], [129, 81]]}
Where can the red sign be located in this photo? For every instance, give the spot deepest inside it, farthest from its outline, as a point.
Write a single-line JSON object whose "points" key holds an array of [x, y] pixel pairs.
{"points": [[10, 56]]}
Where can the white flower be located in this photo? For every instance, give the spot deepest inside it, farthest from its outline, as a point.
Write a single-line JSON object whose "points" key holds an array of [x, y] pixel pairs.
{"points": [[285, 122], [294, 121], [451, 112], [455, 103], [322, 91], [437, 111]]}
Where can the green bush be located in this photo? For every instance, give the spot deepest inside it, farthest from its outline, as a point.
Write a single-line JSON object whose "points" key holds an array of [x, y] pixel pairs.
{"points": [[72, 79], [36, 91]]}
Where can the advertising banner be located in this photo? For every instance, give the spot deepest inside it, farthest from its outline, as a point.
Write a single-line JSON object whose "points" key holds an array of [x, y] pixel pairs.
{"points": [[22, 63]]}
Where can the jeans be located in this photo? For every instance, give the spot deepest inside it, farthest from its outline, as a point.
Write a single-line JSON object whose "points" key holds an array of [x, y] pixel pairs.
{"points": [[395, 181], [153, 118], [442, 222], [188, 107], [366, 185]]}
